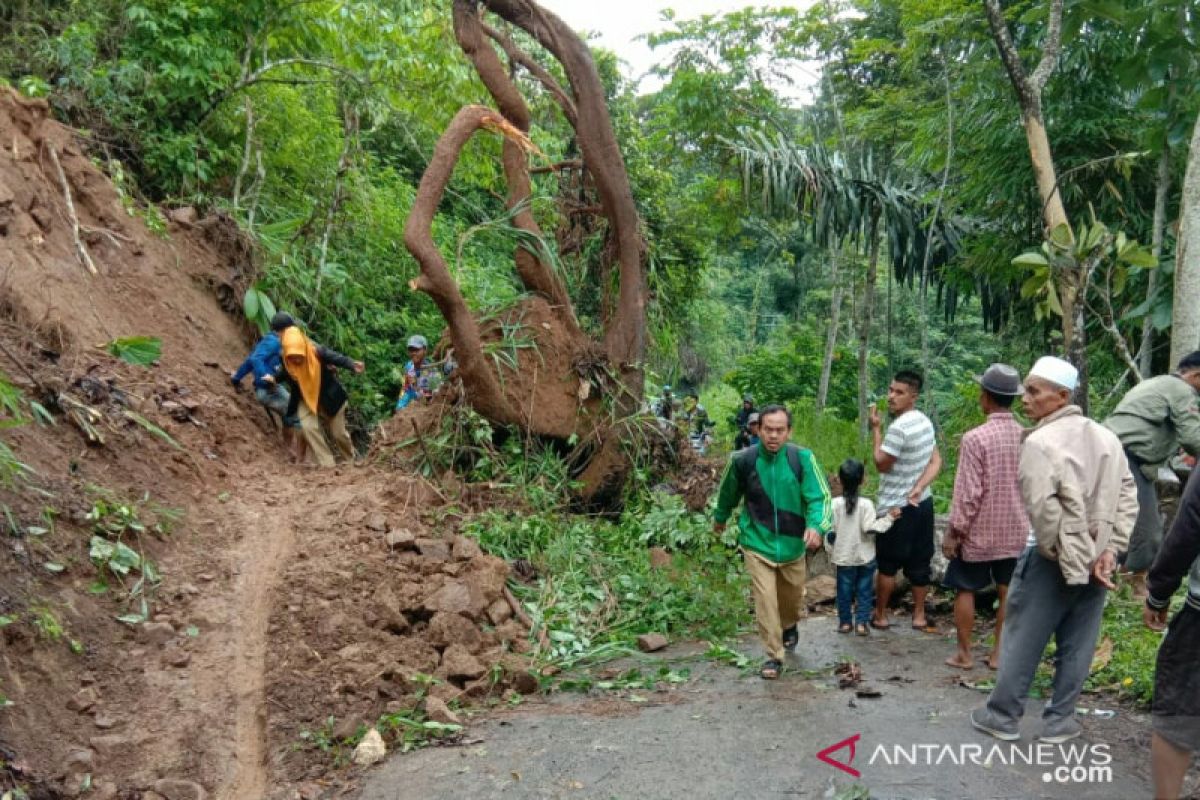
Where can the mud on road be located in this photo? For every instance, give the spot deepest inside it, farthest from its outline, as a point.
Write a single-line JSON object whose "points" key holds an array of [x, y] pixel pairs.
{"points": [[727, 733]]}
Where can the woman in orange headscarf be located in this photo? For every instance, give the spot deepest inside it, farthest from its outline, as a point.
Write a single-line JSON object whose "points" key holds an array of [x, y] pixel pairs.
{"points": [[316, 393]]}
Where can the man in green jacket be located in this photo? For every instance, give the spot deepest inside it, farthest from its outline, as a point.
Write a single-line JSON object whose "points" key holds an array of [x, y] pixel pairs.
{"points": [[1155, 419], [786, 511]]}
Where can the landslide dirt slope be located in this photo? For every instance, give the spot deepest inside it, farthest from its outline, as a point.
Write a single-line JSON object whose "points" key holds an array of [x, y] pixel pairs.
{"points": [[288, 595]]}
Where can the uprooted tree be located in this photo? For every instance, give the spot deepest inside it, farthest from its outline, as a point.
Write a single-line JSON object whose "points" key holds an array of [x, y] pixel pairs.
{"points": [[569, 386]]}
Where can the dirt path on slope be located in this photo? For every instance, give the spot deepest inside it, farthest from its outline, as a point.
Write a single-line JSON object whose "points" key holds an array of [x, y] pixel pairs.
{"points": [[203, 703], [232, 670]]}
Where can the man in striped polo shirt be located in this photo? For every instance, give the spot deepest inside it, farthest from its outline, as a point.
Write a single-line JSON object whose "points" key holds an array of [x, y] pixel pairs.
{"points": [[908, 460]]}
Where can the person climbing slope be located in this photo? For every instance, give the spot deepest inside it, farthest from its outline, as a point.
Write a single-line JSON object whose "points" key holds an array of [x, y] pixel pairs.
{"points": [[264, 362], [316, 394]]}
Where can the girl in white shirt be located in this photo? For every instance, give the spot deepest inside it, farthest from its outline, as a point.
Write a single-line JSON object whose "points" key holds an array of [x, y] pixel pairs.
{"points": [[852, 551]]}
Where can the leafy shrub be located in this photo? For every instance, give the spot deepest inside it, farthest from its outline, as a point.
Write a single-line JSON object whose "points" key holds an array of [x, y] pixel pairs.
{"points": [[789, 369], [600, 591]]}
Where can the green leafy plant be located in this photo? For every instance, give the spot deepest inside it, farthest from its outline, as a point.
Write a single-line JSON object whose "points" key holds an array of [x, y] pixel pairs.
{"points": [[152, 429], [727, 655], [113, 522], [258, 308], [668, 523], [33, 86], [45, 621], [139, 350], [322, 738]]}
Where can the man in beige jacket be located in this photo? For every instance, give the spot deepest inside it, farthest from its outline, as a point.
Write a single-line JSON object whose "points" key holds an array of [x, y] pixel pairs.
{"points": [[1082, 503]]}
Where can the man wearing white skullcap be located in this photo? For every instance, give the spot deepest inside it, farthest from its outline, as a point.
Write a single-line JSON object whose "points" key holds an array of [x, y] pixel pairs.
{"points": [[1082, 503]]}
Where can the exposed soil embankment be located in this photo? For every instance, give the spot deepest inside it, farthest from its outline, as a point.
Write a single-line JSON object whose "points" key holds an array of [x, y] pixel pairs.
{"points": [[286, 595]]}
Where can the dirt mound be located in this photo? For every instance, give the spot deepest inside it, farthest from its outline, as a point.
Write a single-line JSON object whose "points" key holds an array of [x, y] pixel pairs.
{"points": [[112, 674], [379, 600]]}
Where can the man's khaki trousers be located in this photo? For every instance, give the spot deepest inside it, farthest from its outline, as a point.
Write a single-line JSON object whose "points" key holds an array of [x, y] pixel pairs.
{"points": [[778, 591], [310, 426]]}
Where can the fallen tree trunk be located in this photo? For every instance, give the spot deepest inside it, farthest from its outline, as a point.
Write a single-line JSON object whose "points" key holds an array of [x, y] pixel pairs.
{"points": [[583, 387]]}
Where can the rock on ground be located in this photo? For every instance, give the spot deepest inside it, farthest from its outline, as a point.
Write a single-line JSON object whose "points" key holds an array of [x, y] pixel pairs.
{"points": [[370, 750]]}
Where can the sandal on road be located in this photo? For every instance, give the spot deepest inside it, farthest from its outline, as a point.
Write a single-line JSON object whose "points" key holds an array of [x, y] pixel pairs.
{"points": [[790, 637], [845, 627], [771, 669], [861, 629]]}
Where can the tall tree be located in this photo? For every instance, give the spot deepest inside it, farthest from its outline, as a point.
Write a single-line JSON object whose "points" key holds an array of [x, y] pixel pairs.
{"points": [[1029, 87], [1185, 326]]}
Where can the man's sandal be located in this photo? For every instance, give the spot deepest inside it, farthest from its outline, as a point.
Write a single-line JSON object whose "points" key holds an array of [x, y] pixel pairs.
{"points": [[790, 637], [845, 627], [771, 669], [861, 629]]}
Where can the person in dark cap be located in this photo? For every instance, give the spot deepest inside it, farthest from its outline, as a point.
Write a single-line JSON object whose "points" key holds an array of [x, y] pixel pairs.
{"points": [[988, 527], [753, 429], [264, 362], [741, 422]]}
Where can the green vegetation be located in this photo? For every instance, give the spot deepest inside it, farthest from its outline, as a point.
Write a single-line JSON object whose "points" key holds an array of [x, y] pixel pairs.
{"points": [[1129, 672], [140, 350], [117, 549], [596, 590], [884, 216], [311, 124]]}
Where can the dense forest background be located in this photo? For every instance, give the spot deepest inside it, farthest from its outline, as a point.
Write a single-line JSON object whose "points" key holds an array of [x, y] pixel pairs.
{"points": [[890, 221]]}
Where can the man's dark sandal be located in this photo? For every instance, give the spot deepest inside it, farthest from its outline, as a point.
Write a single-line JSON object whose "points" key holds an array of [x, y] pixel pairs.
{"points": [[771, 669], [790, 637]]}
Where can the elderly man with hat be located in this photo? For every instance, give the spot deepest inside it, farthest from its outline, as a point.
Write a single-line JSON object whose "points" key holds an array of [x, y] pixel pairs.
{"points": [[1082, 503], [988, 526]]}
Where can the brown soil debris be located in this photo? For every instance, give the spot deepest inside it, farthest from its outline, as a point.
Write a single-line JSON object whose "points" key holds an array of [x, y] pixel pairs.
{"points": [[279, 606]]}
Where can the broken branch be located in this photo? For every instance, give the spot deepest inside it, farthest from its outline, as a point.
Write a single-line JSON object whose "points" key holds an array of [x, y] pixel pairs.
{"points": [[561, 166], [80, 248]]}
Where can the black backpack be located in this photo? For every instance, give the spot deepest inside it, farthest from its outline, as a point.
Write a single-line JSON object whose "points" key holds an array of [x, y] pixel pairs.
{"points": [[745, 459]]}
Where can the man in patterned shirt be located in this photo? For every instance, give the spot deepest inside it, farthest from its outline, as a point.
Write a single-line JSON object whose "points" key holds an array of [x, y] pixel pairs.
{"points": [[988, 526], [908, 460]]}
